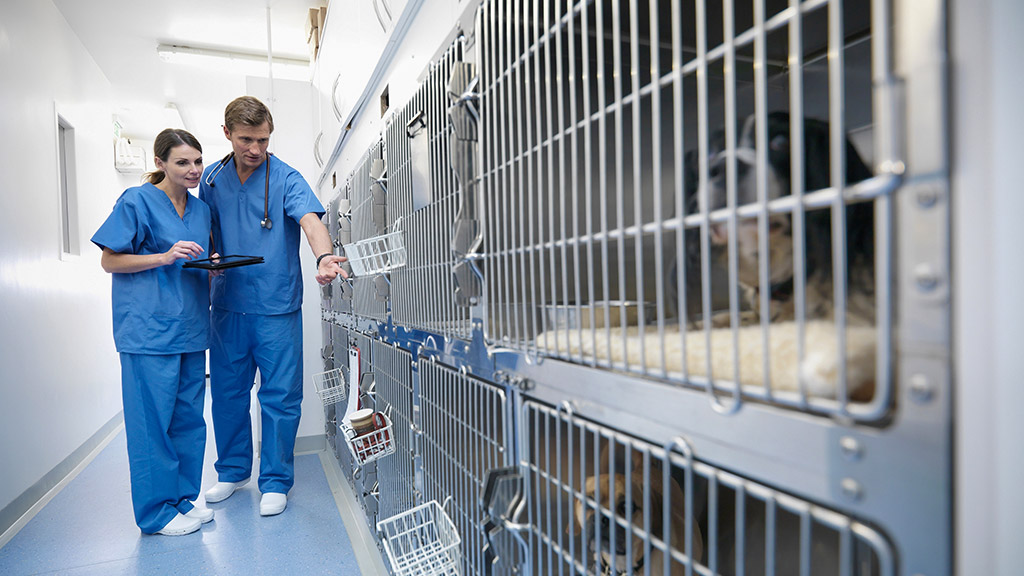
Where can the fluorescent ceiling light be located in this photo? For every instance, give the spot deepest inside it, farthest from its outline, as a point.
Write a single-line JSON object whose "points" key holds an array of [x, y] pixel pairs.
{"points": [[234, 62]]}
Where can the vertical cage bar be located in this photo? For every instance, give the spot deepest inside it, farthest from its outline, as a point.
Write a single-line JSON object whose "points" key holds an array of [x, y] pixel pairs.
{"points": [[837, 148], [761, 145], [637, 192], [602, 164], [574, 189], [657, 184], [796, 141]]}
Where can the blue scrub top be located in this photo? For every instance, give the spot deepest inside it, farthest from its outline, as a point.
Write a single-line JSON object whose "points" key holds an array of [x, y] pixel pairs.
{"points": [[164, 310], [274, 287]]}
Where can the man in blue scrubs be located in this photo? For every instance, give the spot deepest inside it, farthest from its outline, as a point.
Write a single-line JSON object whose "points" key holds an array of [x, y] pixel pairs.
{"points": [[259, 206]]}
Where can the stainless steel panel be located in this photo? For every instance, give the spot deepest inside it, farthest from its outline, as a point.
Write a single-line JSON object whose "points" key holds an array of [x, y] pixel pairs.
{"points": [[600, 502], [366, 193], [392, 371], [424, 290], [466, 432]]}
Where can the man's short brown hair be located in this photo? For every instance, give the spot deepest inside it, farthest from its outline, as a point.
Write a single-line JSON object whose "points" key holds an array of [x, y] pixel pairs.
{"points": [[247, 111]]}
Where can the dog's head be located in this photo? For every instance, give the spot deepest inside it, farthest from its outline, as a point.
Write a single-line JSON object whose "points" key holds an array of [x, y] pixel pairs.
{"points": [[816, 176], [603, 529], [623, 500]]}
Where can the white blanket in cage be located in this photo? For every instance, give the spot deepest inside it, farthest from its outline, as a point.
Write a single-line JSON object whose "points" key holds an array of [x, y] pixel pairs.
{"points": [[819, 369]]}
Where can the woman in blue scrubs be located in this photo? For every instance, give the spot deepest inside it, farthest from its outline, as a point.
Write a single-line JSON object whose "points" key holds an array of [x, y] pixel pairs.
{"points": [[162, 330]]}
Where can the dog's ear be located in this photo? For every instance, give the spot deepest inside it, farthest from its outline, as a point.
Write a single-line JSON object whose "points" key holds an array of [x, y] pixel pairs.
{"points": [[605, 461], [657, 509], [637, 461], [691, 181], [817, 167], [579, 508], [817, 174], [576, 527], [620, 466]]}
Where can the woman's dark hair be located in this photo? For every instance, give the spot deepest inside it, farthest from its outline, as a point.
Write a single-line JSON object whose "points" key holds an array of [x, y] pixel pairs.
{"points": [[166, 141]]}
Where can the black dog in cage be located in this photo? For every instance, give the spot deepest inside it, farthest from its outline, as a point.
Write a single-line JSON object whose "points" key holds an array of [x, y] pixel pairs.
{"points": [[818, 246]]}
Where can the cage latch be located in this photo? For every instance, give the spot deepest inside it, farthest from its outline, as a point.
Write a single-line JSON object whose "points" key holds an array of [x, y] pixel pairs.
{"points": [[502, 501]]}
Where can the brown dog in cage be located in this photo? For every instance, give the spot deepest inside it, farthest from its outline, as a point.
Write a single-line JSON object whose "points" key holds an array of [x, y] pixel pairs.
{"points": [[616, 549], [818, 227]]}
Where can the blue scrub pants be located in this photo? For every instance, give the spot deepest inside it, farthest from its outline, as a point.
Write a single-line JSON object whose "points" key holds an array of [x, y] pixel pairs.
{"points": [[166, 433], [240, 344]]}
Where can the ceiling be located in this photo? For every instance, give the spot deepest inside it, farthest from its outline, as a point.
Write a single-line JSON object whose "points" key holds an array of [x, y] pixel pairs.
{"points": [[122, 37]]}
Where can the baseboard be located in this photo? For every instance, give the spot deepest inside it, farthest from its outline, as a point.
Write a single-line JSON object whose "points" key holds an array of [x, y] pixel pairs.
{"points": [[364, 543], [310, 444], [15, 515]]}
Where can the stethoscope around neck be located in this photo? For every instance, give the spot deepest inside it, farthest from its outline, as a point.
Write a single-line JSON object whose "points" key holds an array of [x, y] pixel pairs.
{"points": [[211, 180]]}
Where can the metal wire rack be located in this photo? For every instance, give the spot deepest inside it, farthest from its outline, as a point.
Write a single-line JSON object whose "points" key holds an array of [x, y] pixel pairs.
{"points": [[377, 255], [330, 386], [422, 541], [366, 448]]}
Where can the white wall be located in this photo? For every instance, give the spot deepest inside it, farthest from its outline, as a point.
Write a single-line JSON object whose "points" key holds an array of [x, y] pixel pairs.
{"points": [[60, 377], [988, 202], [434, 21]]}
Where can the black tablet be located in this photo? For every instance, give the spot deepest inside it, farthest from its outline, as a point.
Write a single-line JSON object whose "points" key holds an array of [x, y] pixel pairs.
{"points": [[222, 262]]}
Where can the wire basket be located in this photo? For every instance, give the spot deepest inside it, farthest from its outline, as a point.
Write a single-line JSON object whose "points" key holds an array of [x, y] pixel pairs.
{"points": [[376, 255], [422, 541], [368, 447], [330, 386]]}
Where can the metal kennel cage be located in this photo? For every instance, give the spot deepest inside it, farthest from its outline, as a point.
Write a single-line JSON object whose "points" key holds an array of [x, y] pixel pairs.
{"points": [[590, 488], [392, 372], [422, 191], [466, 432], [339, 346], [341, 233], [368, 196], [636, 208], [327, 355], [600, 126], [642, 216], [364, 478]]}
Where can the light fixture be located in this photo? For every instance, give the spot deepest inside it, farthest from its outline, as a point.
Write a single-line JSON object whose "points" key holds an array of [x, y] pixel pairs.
{"points": [[234, 62]]}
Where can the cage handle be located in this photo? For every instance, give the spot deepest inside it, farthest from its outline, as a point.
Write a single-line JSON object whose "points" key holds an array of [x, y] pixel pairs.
{"points": [[430, 345], [411, 128], [370, 390], [493, 523]]}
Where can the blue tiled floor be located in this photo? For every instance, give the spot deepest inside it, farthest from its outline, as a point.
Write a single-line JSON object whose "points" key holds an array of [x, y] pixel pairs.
{"points": [[88, 528]]}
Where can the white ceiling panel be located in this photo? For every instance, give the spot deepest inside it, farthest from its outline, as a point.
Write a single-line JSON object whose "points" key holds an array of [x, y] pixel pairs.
{"points": [[122, 36]]}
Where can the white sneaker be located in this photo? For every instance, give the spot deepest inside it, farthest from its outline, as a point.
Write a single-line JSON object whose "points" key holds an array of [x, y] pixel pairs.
{"points": [[221, 490], [204, 515], [180, 525], [273, 503]]}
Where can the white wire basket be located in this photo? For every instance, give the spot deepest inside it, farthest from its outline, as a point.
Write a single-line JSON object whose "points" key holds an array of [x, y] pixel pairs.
{"points": [[368, 447], [376, 255], [330, 386], [422, 541]]}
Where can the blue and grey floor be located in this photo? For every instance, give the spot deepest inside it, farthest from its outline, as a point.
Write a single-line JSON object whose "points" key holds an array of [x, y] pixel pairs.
{"points": [[87, 528]]}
